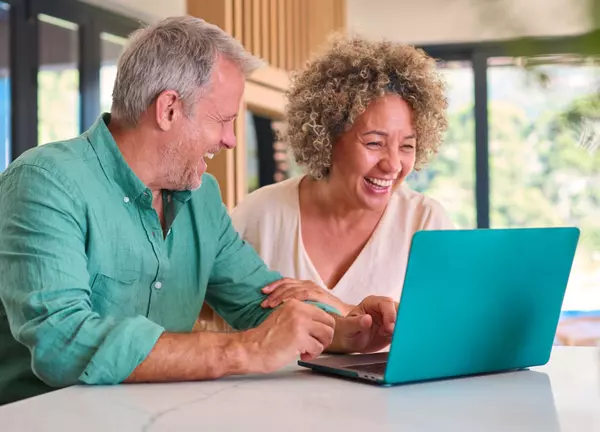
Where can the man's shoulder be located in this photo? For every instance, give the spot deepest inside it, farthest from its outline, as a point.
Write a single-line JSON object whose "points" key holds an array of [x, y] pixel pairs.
{"points": [[57, 158]]}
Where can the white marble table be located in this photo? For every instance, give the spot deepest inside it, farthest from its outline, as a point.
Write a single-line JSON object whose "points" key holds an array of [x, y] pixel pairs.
{"points": [[562, 396]]}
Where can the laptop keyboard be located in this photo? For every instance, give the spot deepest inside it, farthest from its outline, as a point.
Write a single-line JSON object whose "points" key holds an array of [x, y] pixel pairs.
{"points": [[374, 368]]}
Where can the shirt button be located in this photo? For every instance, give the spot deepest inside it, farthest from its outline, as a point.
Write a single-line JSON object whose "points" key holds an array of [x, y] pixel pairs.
{"points": [[158, 284], [126, 200]]}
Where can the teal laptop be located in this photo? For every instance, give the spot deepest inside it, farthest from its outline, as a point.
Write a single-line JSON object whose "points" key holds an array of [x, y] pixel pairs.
{"points": [[473, 302]]}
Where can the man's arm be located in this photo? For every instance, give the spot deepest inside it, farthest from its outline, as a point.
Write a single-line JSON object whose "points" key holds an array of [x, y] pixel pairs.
{"points": [[45, 285], [238, 273]]}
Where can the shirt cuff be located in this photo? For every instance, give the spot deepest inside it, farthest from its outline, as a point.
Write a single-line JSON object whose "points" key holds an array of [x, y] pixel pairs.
{"points": [[325, 307], [123, 349]]}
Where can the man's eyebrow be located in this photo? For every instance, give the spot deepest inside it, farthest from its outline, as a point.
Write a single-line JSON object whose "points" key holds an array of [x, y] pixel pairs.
{"points": [[409, 137]]}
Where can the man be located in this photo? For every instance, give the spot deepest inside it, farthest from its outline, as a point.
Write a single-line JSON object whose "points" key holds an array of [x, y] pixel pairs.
{"points": [[111, 242]]}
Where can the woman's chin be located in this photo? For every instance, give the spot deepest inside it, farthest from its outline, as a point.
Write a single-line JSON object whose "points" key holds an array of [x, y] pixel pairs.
{"points": [[375, 197]]}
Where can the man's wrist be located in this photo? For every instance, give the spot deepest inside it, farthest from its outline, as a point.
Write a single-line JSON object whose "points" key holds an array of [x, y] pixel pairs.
{"points": [[244, 353]]}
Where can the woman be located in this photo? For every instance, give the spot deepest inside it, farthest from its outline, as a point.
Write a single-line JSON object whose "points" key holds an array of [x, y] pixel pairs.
{"points": [[360, 118]]}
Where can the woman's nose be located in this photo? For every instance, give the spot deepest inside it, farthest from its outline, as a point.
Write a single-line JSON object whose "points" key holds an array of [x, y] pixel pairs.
{"points": [[392, 162]]}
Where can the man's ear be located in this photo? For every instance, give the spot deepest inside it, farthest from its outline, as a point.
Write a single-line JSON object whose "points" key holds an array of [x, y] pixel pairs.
{"points": [[167, 109]]}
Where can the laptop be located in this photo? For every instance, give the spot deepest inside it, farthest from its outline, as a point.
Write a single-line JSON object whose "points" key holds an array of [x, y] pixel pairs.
{"points": [[473, 302]]}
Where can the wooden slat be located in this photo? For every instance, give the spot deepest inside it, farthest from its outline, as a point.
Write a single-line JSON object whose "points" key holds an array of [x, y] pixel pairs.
{"points": [[289, 34], [303, 32], [313, 24], [264, 28], [213, 11], [281, 40], [273, 33], [341, 14], [238, 20], [297, 38], [247, 20], [256, 45]]}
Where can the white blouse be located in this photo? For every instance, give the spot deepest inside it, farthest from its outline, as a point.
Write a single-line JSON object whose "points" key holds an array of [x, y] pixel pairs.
{"points": [[269, 219]]}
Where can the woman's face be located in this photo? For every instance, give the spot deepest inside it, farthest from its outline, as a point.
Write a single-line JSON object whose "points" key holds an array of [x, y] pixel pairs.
{"points": [[376, 154]]}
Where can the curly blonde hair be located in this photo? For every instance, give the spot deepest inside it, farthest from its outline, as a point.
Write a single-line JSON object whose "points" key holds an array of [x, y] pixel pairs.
{"points": [[336, 87]]}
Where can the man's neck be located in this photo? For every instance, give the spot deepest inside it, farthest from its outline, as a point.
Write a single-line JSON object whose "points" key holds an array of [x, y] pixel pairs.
{"points": [[144, 160]]}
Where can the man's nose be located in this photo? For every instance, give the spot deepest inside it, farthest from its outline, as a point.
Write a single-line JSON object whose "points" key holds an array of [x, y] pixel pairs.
{"points": [[229, 139]]}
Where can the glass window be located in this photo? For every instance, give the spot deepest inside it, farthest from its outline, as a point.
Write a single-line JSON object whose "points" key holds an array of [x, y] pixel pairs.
{"points": [[545, 156], [252, 161], [450, 175], [58, 80], [5, 116], [111, 47]]}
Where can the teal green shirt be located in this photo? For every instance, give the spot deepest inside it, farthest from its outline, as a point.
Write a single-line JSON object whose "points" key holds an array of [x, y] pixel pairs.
{"points": [[88, 282]]}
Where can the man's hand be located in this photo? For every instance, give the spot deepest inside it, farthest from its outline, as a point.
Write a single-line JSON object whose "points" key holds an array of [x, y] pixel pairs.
{"points": [[367, 328], [295, 329], [286, 289]]}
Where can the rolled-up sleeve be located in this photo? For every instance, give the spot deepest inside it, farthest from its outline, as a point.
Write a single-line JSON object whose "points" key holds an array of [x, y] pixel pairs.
{"points": [[45, 286], [239, 274]]}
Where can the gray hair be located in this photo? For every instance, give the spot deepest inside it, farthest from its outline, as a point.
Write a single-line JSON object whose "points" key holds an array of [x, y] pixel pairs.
{"points": [[179, 54]]}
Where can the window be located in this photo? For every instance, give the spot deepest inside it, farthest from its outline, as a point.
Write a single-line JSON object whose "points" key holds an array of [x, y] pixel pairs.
{"points": [[450, 175], [545, 157], [110, 48], [252, 157], [5, 116], [58, 80]]}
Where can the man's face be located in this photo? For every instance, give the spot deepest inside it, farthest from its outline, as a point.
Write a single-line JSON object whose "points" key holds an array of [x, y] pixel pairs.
{"points": [[208, 130]]}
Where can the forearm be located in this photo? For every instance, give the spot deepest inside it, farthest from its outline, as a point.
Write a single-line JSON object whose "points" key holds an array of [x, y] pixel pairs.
{"points": [[193, 357]]}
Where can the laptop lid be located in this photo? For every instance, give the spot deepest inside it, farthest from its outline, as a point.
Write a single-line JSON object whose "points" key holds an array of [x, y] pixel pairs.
{"points": [[478, 301]]}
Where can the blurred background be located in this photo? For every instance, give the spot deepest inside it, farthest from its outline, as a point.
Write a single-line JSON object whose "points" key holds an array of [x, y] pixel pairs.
{"points": [[522, 150]]}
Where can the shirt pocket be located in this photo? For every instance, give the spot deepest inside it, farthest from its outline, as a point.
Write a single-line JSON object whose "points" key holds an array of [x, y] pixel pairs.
{"points": [[114, 296]]}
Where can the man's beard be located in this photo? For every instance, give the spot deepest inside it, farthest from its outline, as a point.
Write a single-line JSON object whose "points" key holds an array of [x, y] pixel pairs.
{"points": [[179, 176]]}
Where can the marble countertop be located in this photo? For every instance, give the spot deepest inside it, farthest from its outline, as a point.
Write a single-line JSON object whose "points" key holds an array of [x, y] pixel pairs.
{"points": [[561, 396]]}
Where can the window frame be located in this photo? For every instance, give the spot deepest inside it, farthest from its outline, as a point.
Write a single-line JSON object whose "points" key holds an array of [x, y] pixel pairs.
{"points": [[24, 27], [478, 54]]}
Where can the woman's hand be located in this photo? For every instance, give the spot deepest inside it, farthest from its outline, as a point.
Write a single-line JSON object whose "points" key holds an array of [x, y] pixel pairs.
{"points": [[285, 289]]}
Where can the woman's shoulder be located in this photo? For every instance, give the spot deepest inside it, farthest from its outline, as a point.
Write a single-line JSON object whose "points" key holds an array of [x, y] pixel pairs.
{"points": [[429, 211], [277, 198]]}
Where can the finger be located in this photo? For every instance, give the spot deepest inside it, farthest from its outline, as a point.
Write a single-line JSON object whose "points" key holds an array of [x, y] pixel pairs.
{"points": [[299, 292], [274, 293], [321, 332], [319, 315], [276, 297], [384, 312], [273, 285], [388, 314], [354, 325], [311, 349]]}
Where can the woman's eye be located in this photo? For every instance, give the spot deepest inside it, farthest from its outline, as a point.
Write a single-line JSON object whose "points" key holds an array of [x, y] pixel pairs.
{"points": [[375, 144]]}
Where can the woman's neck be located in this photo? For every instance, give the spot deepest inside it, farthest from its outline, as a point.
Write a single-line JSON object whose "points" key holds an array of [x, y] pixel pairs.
{"points": [[328, 202]]}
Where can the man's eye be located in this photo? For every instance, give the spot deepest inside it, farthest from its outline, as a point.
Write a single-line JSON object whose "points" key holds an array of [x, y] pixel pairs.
{"points": [[375, 144]]}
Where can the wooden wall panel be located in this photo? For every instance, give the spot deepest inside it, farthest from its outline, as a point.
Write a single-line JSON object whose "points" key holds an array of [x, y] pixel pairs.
{"points": [[247, 23], [256, 23], [273, 33], [282, 32]]}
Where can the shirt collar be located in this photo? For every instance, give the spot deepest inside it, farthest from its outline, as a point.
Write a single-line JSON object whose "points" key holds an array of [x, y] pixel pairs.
{"points": [[114, 165]]}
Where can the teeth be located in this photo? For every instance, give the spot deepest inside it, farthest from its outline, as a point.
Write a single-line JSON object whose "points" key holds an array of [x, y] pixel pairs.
{"points": [[209, 155], [380, 182]]}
